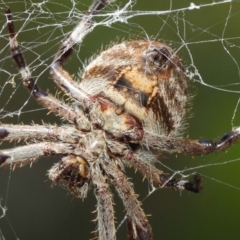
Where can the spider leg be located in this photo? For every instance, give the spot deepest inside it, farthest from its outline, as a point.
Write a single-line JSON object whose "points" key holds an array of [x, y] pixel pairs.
{"points": [[24, 154], [60, 76], [105, 212], [143, 161], [193, 147], [67, 134], [142, 235], [138, 219], [42, 97]]}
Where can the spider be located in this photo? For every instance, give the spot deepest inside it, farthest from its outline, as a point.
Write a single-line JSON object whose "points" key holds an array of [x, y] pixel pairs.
{"points": [[127, 110]]}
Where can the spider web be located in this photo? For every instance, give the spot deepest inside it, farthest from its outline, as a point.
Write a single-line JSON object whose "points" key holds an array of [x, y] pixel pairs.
{"points": [[207, 37]]}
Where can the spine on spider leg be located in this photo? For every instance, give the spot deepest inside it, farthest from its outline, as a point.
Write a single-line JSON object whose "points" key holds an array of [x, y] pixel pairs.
{"points": [[143, 162], [10, 132], [105, 212], [135, 213], [188, 146], [25, 154]]}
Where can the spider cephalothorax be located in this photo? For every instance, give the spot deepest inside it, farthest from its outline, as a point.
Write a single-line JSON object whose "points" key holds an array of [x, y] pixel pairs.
{"points": [[129, 104]]}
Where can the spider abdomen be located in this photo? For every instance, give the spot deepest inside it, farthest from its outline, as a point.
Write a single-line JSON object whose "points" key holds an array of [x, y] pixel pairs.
{"points": [[145, 79]]}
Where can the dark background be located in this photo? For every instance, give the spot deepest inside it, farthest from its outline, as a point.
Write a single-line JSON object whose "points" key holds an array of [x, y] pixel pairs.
{"points": [[38, 211]]}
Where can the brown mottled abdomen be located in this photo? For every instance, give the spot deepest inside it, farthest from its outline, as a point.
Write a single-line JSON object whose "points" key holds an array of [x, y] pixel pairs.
{"points": [[146, 79]]}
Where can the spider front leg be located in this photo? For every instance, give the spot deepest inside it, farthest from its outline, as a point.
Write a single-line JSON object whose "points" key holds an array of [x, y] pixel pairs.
{"points": [[54, 105], [67, 134], [25, 154], [60, 76], [57, 141], [192, 147]]}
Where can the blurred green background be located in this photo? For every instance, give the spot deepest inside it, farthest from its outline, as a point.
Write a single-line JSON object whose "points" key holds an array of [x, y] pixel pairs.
{"points": [[208, 41]]}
